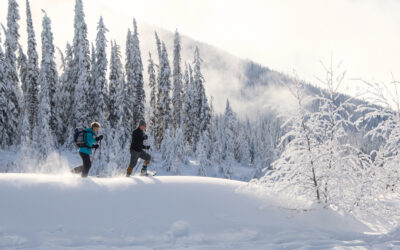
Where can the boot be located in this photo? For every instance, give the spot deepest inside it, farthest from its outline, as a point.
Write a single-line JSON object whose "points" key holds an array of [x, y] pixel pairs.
{"points": [[143, 172], [129, 171]]}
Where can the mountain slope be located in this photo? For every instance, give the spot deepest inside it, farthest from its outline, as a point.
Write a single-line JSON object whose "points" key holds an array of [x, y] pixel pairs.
{"points": [[68, 212]]}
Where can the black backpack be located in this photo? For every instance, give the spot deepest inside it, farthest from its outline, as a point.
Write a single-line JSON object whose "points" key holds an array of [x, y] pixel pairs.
{"points": [[79, 137]]}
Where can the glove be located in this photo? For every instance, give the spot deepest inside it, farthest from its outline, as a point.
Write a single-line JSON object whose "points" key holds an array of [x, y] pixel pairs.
{"points": [[95, 146], [146, 147], [99, 138], [145, 137]]}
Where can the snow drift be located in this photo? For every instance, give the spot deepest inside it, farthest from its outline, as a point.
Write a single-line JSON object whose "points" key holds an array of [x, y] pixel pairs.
{"points": [[68, 212]]}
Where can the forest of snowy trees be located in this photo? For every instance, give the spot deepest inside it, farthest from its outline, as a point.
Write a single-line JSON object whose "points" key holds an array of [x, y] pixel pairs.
{"points": [[44, 103], [331, 148]]}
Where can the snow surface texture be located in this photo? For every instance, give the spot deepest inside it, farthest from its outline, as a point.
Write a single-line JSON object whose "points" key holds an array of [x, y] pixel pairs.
{"points": [[170, 212]]}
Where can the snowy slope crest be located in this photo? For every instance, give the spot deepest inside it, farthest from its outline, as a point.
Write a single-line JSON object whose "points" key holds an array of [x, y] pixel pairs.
{"points": [[68, 212]]}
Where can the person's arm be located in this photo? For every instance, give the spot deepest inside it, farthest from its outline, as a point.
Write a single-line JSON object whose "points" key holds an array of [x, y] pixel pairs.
{"points": [[90, 139]]}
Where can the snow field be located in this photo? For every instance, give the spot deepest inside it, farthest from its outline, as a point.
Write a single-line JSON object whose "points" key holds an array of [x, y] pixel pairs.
{"points": [[166, 212]]}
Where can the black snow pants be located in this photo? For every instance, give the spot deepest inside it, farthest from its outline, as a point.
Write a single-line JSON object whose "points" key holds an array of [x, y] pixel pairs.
{"points": [[87, 164]]}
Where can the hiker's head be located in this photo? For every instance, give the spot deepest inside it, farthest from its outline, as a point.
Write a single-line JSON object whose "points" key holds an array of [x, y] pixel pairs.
{"points": [[142, 125], [95, 126]]}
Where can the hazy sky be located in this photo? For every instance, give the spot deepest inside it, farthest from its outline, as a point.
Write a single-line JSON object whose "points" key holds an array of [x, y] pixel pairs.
{"points": [[281, 34]]}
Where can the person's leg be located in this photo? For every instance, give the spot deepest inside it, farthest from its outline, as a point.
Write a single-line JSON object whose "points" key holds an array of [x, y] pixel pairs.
{"points": [[134, 158], [86, 164], [146, 161], [77, 170]]}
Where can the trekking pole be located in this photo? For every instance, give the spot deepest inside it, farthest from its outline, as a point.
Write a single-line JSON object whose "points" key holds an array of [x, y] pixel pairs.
{"points": [[91, 162], [100, 151]]}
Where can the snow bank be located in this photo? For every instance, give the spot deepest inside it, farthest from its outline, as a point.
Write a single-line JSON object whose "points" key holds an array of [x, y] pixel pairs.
{"points": [[68, 212]]}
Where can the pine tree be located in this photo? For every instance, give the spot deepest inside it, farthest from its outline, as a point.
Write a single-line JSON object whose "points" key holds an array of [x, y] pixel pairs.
{"points": [[43, 133], [188, 109], [140, 97], [115, 85], [168, 152], [23, 67], [177, 83], [100, 78], [92, 93], [200, 98], [12, 87], [158, 43], [229, 138], [153, 101], [130, 78], [163, 97], [49, 70], [204, 152], [65, 99], [3, 100], [81, 67], [32, 75], [26, 128]]}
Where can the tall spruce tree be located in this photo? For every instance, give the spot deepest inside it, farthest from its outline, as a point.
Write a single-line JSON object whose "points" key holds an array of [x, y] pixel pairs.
{"points": [[32, 74], [229, 140], [23, 67], [153, 87], [65, 99], [115, 80], [188, 110], [43, 134], [26, 128], [3, 100], [130, 78], [100, 78], [140, 97], [200, 99], [92, 83], [81, 67], [49, 70], [163, 97], [177, 83], [12, 87]]}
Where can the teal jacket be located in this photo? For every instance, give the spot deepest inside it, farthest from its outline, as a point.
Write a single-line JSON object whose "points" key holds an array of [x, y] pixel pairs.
{"points": [[89, 138]]}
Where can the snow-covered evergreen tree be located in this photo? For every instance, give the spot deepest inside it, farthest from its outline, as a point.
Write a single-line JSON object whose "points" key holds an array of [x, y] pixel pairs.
{"points": [[229, 140], [130, 78], [3, 100], [92, 93], [200, 102], [44, 140], [153, 88], [204, 153], [49, 70], [115, 80], [26, 128], [65, 99], [23, 67], [100, 78], [168, 152], [32, 73], [163, 97], [177, 83], [81, 67], [140, 98], [12, 87], [189, 113]]}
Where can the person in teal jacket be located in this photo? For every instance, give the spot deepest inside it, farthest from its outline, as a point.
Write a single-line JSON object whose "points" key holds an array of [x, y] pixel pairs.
{"points": [[90, 140]]}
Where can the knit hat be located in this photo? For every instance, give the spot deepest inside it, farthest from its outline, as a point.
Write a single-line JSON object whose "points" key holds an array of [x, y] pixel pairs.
{"points": [[142, 123]]}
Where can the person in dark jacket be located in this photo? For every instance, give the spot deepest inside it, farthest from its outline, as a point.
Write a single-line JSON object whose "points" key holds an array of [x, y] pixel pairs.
{"points": [[89, 138], [138, 136]]}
